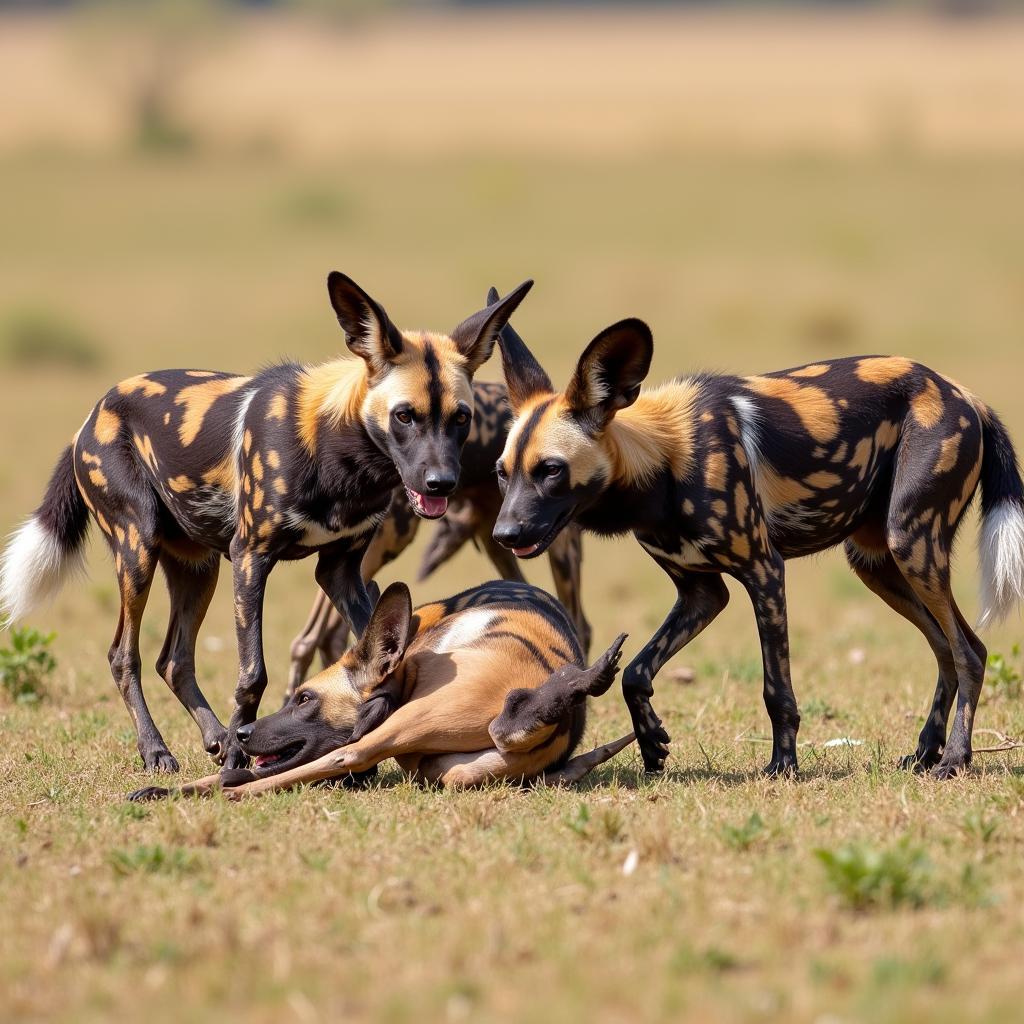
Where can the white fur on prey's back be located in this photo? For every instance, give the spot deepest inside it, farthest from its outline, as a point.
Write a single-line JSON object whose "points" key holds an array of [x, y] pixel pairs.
{"points": [[33, 568], [1001, 551]]}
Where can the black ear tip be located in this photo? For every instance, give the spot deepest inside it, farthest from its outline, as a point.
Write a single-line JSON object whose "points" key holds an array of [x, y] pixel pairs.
{"points": [[398, 590], [492, 295]]}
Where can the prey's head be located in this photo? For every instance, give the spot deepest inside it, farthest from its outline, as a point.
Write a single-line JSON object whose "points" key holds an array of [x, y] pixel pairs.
{"points": [[556, 461], [347, 698], [418, 405]]}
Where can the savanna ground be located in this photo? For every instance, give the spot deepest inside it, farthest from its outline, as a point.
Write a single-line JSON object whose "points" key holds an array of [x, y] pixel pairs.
{"points": [[698, 895]]}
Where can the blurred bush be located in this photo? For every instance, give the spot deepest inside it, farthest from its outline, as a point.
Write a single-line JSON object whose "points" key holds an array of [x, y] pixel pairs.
{"points": [[35, 336]]}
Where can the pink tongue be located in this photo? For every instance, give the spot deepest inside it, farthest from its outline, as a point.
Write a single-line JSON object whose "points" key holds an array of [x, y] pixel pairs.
{"points": [[265, 759], [523, 552], [432, 506]]}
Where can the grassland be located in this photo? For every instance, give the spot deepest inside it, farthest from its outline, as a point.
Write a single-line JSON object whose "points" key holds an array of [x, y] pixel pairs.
{"points": [[695, 896]]}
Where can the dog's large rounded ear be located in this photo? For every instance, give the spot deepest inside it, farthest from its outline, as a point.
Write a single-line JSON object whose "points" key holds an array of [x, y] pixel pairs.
{"points": [[382, 646], [609, 373], [476, 335], [368, 331], [524, 376]]}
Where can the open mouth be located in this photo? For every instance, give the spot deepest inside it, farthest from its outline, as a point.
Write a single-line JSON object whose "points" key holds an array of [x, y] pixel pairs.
{"points": [[425, 506], [269, 764], [532, 550]]}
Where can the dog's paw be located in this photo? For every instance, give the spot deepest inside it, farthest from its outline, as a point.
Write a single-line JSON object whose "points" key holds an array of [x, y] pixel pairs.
{"points": [[160, 761]]}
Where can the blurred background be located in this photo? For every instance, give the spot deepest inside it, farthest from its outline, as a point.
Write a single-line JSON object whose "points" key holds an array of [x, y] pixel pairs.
{"points": [[765, 185]]}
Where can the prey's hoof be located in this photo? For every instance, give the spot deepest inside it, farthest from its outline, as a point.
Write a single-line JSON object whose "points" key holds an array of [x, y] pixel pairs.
{"points": [[780, 768], [148, 793], [163, 762]]}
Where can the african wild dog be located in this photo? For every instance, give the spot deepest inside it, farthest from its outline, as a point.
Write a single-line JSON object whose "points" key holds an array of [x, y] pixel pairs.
{"points": [[181, 466], [490, 684], [718, 475], [472, 511]]}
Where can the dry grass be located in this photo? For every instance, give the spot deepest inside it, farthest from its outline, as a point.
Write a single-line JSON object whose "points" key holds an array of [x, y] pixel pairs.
{"points": [[401, 905]]}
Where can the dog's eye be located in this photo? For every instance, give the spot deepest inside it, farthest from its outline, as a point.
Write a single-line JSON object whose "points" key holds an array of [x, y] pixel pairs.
{"points": [[305, 697], [461, 418], [403, 416], [500, 470], [553, 469]]}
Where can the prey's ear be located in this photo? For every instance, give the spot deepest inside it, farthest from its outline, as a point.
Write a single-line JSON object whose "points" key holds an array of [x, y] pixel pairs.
{"points": [[524, 376], [476, 335], [383, 644], [609, 373], [368, 331]]}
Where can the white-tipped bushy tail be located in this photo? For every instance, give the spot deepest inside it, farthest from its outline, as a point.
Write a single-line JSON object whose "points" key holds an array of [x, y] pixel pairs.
{"points": [[33, 568], [46, 549], [1001, 543], [1001, 551]]}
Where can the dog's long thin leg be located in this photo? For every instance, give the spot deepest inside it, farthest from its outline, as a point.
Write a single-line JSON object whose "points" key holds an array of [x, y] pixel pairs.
{"points": [[769, 601], [566, 555], [701, 596], [250, 569], [135, 580], [191, 589], [339, 573], [879, 573]]}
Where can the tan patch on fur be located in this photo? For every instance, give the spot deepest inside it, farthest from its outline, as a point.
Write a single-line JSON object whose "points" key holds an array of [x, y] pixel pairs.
{"points": [[862, 456], [197, 400], [107, 425], [740, 545], [89, 459], [927, 406], [273, 459], [779, 491], [200, 373], [149, 388], [815, 409], [333, 392], [133, 536], [280, 486], [97, 477], [278, 408], [823, 480], [814, 370], [719, 507], [222, 475], [883, 369], [144, 446], [180, 484], [257, 466], [949, 454], [714, 471], [741, 501], [887, 434]]}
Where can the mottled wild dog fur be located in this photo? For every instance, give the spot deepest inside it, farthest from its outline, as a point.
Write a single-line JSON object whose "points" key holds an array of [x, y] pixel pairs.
{"points": [[720, 475], [180, 467], [490, 684], [472, 511]]}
